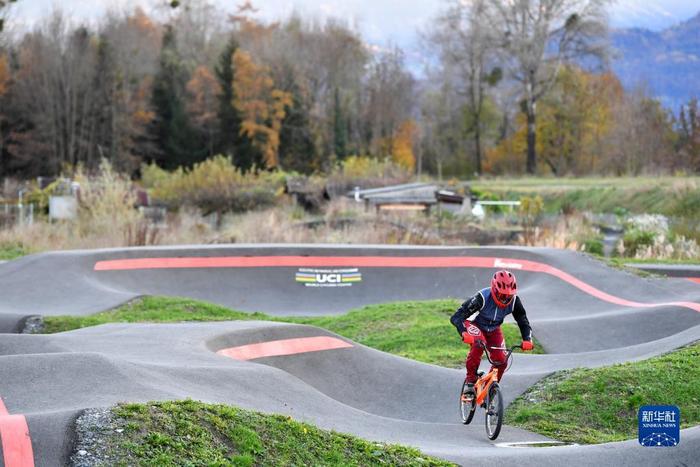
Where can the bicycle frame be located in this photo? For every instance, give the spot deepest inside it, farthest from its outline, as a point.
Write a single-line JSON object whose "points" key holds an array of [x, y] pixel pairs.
{"points": [[486, 393], [483, 384]]}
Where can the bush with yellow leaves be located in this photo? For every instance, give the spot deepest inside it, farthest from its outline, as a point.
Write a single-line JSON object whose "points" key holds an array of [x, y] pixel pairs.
{"points": [[214, 185]]}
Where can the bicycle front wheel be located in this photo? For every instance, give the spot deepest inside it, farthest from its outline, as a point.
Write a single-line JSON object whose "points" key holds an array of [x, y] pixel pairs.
{"points": [[494, 411], [466, 408]]}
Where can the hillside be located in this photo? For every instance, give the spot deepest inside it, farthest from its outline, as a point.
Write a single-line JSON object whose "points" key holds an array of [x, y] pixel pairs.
{"points": [[667, 61]]}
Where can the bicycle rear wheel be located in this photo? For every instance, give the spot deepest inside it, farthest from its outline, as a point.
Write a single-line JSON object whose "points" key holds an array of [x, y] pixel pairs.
{"points": [[466, 408], [494, 412]]}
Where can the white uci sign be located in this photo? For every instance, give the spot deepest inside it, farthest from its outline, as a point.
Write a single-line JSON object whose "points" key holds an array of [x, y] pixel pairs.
{"points": [[328, 277]]}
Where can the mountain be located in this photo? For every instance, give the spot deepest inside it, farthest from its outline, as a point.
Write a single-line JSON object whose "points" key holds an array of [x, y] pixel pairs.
{"points": [[667, 62]]}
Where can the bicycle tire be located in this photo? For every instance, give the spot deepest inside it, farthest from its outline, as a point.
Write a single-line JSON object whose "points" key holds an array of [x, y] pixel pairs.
{"points": [[465, 410], [494, 412]]}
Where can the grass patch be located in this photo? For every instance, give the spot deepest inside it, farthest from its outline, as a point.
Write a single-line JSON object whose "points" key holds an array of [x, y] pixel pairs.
{"points": [[419, 330], [671, 196], [621, 264], [10, 251], [688, 262], [189, 433], [151, 310], [600, 405], [627, 264]]}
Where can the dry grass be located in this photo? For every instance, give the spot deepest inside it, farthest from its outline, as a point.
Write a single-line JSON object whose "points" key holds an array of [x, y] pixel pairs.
{"points": [[107, 218], [341, 222], [568, 232]]}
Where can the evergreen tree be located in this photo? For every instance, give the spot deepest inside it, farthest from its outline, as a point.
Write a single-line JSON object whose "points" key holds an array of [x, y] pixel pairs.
{"points": [[297, 150], [177, 141], [231, 141]]}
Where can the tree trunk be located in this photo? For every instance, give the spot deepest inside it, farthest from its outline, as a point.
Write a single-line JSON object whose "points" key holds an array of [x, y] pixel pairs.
{"points": [[419, 166], [477, 142], [531, 139]]}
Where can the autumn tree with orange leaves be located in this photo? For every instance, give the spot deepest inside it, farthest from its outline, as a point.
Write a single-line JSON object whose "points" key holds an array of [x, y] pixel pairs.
{"points": [[403, 144], [262, 106], [301, 95]]}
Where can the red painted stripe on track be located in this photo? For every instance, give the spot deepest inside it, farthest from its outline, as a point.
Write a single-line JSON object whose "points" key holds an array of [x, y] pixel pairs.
{"points": [[374, 262], [16, 442], [284, 347], [294, 261], [694, 279]]}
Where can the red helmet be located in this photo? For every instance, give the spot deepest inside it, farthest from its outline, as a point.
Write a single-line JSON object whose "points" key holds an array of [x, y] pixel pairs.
{"points": [[503, 288]]}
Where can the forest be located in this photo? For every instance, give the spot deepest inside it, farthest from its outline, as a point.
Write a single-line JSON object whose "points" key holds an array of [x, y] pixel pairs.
{"points": [[183, 81]]}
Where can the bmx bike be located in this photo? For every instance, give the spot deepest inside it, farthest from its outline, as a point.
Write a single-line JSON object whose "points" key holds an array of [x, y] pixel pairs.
{"points": [[487, 394]]}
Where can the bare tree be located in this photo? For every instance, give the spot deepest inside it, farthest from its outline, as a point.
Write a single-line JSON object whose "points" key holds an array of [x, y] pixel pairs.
{"points": [[390, 92], [5, 6], [199, 24], [463, 38], [641, 141], [537, 37], [441, 129], [55, 86]]}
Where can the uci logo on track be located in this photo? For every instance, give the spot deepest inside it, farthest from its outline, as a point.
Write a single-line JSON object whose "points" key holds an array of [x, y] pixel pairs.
{"points": [[328, 277]]}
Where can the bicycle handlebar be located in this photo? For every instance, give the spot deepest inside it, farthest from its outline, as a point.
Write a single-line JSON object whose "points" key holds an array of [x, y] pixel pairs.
{"points": [[488, 355]]}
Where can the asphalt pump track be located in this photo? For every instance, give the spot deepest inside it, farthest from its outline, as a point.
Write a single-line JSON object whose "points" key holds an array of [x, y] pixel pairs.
{"points": [[584, 314]]}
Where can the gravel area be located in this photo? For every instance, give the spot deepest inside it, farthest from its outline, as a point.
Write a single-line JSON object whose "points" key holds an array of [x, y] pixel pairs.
{"points": [[92, 427], [33, 325]]}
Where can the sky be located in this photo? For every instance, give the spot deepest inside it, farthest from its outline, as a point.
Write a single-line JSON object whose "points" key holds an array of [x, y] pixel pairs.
{"points": [[380, 21]]}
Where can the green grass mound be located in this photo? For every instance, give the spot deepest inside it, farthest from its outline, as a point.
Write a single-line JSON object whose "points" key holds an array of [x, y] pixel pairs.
{"points": [[151, 310], [418, 330], [189, 433], [600, 405]]}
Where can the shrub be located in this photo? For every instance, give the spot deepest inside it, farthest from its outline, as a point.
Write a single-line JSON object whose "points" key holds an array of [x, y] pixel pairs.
{"points": [[367, 167], [687, 228], [215, 185], [106, 203], [530, 213], [649, 237], [593, 246], [365, 172], [635, 240], [485, 195]]}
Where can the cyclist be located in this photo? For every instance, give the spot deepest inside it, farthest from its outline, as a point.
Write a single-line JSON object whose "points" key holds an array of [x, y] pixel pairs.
{"points": [[493, 304]]}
